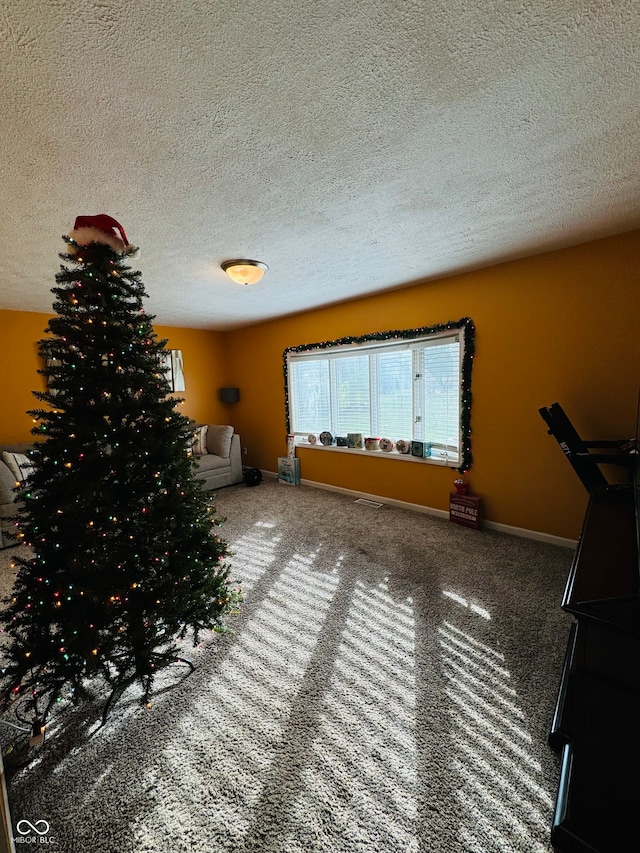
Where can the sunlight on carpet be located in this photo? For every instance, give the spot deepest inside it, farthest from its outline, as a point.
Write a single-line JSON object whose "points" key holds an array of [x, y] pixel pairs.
{"points": [[354, 773], [365, 700], [263, 670], [491, 746], [358, 759], [369, 721]]}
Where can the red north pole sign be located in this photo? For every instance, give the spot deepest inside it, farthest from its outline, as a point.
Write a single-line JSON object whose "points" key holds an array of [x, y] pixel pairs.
{"points": [[465, 510]]}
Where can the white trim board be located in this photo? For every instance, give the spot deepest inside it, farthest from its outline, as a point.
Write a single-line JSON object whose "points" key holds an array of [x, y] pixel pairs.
{"points": [[439, 513]]}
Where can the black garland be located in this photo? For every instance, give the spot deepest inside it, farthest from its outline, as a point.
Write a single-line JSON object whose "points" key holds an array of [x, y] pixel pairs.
{"points": [[468, 328]]}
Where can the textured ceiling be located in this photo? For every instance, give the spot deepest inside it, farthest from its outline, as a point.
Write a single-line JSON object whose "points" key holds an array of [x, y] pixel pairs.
{"points": [[352, 146]]}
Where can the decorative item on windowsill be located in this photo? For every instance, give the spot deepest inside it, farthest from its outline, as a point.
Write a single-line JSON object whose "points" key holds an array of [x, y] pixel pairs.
{"points": [[312, 438], [354, 439], [417, 448], [371, 443], [421, 448], [461, 486], [403, 446], [341, 441], [326, 438], [386, 444]]}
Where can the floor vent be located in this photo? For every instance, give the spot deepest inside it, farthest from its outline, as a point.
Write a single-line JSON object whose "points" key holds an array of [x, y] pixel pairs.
{"points": [[365, 502]]}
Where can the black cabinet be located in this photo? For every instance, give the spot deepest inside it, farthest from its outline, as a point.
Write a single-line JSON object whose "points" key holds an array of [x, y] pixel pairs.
{"points": [[597, 718]]}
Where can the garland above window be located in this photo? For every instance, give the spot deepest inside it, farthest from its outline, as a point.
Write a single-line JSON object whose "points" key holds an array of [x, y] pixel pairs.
{"points": [[464, 331]]}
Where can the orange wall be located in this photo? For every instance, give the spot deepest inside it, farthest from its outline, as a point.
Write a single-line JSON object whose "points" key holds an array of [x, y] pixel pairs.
{"points": [[562, 326], [19, 334], [205, 368]]}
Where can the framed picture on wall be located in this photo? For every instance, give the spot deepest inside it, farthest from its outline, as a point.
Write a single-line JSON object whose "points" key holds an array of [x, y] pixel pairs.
{"points": [[177, 370], [52, 364], [172, 367]]}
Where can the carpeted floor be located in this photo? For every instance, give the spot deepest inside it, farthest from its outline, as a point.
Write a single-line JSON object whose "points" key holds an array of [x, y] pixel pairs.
{"points": [[388, 686]]}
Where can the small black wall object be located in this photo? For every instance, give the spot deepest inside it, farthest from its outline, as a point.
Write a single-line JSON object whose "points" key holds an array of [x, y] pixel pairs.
{"points": [[252, 476], [229, 395]]}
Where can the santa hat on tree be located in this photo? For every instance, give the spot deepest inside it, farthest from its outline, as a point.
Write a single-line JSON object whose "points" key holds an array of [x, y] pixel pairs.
{"points": [[101, 229]]}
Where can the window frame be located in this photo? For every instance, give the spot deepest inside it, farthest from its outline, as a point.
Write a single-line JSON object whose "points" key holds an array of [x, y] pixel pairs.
{"points": [[464, 328]]}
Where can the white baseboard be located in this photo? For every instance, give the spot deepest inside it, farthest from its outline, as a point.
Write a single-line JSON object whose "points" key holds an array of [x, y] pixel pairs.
{"points": [[531, 534], [440, 513]]}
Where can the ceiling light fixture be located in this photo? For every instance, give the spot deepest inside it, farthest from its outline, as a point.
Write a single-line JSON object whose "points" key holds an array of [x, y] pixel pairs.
{"points": [[244, 271]]}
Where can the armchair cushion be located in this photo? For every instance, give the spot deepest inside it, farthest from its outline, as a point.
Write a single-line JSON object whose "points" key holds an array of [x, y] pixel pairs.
{"points": [[19, 464], [200, 440], [219, 440], [7, 486]]}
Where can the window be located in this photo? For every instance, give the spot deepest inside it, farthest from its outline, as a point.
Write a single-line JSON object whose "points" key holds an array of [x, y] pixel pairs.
{"points": [[413, 385]]}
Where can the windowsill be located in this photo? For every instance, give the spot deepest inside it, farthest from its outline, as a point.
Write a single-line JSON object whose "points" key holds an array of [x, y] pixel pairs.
{"points": [[381, 454]]}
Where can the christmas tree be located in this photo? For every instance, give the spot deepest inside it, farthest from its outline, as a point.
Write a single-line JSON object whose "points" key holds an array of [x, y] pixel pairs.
{"points": [[124, 555]]}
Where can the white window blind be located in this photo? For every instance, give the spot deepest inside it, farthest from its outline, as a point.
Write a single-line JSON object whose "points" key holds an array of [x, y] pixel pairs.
{"points": [[439, 367], [400, 389], [310, 405], [350, 394], [393, 389]]}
